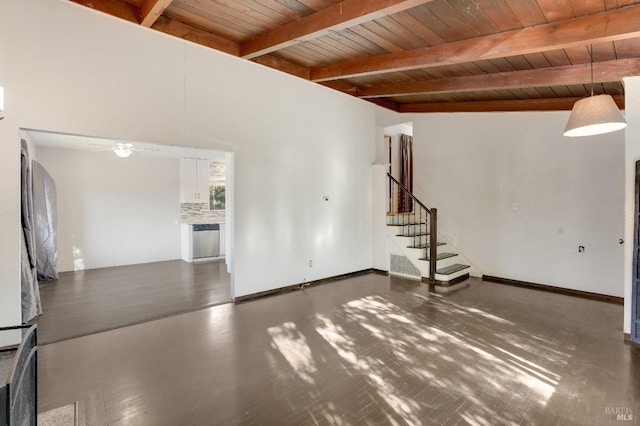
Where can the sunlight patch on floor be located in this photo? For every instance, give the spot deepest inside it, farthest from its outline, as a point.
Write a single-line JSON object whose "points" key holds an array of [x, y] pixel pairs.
{"points": [[411, 338], [373, 369], [294, 348]]}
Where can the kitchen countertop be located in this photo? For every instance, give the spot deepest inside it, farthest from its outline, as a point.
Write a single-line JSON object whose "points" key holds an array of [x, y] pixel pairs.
{"points": [[200, 221]]}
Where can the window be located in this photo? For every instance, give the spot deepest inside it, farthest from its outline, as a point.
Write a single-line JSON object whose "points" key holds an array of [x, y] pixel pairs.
{"points": [[217, 186], [216, 196]]}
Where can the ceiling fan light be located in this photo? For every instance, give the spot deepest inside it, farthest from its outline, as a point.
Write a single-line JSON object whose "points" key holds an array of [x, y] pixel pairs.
{"points": [[594, 115], [123, 150]]}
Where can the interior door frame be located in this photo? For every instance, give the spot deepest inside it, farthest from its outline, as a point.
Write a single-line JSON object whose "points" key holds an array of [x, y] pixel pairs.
{"points": [[635, 297]]}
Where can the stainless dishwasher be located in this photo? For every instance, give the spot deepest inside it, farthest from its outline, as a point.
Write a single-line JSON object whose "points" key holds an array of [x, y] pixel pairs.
{"points": [[206, 240]]}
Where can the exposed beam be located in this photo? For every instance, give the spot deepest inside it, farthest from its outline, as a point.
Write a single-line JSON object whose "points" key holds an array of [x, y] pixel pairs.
{"points": [[334, 18], [385, 103], [547, 104], [196, 35], [606, 26], [341, 86], [603, 72], [151, 11], [283, 65], [118, 8]]}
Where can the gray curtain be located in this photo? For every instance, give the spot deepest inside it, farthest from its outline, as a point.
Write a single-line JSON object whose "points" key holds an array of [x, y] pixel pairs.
{"points": [[405, 204], [45, 221], [31, 306]]}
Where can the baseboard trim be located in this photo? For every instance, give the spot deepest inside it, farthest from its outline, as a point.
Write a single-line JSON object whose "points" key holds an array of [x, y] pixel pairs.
{"points": [[288, 288], [380, 271], [553, 289], [628, 341]]}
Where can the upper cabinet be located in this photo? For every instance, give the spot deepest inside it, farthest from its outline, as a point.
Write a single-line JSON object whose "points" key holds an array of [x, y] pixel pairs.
{"points": [[194, 180]]}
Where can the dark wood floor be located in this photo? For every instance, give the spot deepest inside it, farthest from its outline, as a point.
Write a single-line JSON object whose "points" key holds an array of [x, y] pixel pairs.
{"points": [[368, 350], [95, 300]]}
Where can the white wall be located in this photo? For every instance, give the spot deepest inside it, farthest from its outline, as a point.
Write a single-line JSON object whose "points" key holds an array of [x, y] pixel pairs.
{"points": [[632, 154], [114, 211], [69, 69], [380, 255], [569, 192]]}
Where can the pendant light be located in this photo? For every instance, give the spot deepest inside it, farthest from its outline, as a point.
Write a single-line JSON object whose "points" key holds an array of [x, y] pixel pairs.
{"points": [[594, 115]]}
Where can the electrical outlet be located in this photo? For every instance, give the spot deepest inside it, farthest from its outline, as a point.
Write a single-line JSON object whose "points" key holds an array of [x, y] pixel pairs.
{"points": [[310, 263]]}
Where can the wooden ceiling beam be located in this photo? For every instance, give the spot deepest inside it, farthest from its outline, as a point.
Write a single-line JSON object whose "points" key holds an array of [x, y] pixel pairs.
{"points": [[334, 18], [196, 35], [386, 103], [283, 65], [546, 104], [341, 86], [151, 10], [117, 8], [603, 72], [613, 25]]}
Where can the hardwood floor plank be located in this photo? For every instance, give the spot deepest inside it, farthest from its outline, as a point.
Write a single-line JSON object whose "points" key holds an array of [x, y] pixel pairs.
{"points": [[85, 302], [367, 350]]}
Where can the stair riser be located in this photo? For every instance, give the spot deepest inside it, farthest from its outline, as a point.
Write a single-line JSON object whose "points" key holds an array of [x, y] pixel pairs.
{"points": [[422, 239], [412, 241], [406, 229], [423, 266], [422, 253], [447, 262], [395, 220], [453, 276]]}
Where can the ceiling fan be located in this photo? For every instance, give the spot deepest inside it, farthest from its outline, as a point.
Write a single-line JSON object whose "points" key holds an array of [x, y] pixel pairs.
{"points": [[124, 149]]}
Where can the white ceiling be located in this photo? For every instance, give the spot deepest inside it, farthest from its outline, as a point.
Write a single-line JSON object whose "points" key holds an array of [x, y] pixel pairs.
{"points": [[89, 143]]}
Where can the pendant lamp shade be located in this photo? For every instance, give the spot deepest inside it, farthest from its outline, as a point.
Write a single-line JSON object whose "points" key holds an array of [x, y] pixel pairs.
{"points": [[594, 115]]}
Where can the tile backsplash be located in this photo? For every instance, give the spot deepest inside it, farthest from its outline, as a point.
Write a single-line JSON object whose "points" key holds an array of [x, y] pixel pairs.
{"points": [[190, 211]]}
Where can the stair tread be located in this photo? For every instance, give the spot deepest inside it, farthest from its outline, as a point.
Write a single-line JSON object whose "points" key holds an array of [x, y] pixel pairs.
{"points": [[413, 234], [421, 246], [400, 214], [452, 269], [440, 256], [406, 224]]}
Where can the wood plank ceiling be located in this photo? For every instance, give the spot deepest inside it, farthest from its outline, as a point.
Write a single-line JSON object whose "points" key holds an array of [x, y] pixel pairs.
{"points": [[419, 55]]}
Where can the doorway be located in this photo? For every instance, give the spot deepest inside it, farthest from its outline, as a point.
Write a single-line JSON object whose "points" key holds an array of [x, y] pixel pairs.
{"points": [[398, 141], [120, 234]]}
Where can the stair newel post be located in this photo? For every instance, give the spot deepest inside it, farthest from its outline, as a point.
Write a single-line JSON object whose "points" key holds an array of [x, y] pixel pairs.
{"points": [[433, 244]]}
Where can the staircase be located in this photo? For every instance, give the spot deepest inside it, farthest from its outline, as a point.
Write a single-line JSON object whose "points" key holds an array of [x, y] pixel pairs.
{"points": [[412, 227]]}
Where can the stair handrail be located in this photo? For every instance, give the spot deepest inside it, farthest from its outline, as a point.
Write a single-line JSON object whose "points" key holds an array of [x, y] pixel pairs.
{"points": [[433, 229], [409, 192]]}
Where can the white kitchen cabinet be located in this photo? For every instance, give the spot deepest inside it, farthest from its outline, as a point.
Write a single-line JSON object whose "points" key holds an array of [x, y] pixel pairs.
{"points": [[194, 180]]}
